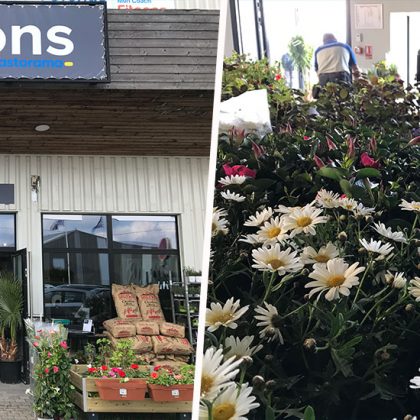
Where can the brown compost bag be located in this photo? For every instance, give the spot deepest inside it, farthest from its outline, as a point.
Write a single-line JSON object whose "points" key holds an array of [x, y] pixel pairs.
{"points": [[149, 303], [120, 328], [172, 330], [125, 301]]}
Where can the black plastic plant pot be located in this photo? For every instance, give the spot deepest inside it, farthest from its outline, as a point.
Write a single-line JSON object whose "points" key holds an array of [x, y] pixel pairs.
{"points": [[10, 371]]}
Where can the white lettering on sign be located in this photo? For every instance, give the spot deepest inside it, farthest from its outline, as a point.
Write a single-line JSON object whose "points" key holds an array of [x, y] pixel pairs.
{"points": [[53, 35]]}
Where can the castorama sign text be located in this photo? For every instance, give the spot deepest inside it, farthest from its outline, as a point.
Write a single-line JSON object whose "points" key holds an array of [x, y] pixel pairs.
{"points": [[53, 41]]}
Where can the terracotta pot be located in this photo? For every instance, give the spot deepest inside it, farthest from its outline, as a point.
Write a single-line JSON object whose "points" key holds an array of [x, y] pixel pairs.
{"points": [[171, 393], [114, 390]]}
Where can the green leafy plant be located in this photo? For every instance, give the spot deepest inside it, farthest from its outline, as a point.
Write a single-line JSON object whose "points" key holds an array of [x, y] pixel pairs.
{"points": [[123, 355], [53, 389], [11, 305], [301, 54], [166, 376]]}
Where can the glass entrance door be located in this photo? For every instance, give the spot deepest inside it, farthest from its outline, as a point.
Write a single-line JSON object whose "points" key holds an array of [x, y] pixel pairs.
{"points": [[20, 272]]}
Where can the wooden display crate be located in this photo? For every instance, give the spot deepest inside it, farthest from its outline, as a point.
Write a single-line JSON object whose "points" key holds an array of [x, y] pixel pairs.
{"points": [[93, 404]]}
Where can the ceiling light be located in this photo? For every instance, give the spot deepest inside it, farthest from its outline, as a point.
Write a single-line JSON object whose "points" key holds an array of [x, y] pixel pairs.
{"points": [[42, 127]]}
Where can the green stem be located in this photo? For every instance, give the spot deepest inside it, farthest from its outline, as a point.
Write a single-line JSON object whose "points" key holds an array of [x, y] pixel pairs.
{"points": [[361, 283], [270, 284], [375, 306]]}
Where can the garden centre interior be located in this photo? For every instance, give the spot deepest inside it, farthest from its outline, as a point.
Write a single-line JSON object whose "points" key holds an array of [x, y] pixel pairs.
{"points": [[313, 305], [104, 169]]}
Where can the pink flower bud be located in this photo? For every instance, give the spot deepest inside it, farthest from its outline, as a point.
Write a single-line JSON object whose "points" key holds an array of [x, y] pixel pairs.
{"points": [[331, 145], [414, 141], [258, 150], [373, 145], [319, 162], [55, 369], [350, 146], [367, 161]]}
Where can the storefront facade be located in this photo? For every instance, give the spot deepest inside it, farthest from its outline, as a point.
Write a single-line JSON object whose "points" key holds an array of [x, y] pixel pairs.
{"points": [[114, 190]]}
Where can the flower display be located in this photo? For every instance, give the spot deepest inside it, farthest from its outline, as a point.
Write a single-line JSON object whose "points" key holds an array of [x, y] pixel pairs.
{"points": [[323, 252]]}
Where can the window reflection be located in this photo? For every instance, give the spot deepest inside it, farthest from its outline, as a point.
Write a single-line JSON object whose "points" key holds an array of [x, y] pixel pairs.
{"points": [[144, 232], [74, 231], [7, 231]]}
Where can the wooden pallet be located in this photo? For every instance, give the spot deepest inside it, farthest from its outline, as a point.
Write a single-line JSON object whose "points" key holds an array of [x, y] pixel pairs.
{"points": [[93, 404]]}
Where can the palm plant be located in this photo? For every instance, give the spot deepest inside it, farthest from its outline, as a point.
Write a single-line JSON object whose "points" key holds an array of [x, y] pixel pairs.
{"points": [[301, 54], [11, 305]]}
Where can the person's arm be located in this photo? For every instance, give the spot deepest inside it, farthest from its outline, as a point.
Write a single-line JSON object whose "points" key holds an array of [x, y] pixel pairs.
{"points": [[316, 61], [355, 70], [352, 63]]}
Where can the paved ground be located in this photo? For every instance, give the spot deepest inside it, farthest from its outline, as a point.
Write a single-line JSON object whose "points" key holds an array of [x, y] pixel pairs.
{"points": [[14, 403]]}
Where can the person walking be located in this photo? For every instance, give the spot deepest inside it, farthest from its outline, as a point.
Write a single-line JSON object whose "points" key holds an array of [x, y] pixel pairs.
{"points": [[335, 61]]}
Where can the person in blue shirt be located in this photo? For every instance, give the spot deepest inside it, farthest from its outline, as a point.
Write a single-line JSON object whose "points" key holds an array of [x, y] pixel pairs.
{"points": [[335, 61]]}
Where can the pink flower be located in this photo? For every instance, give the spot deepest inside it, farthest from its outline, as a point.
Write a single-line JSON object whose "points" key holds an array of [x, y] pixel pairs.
{"points": [[306, 138], [367, 161], [350, 145], [49, 354], [319, 162], [331, 145], [239, 170], [63, 344], [55, 369], [114, 369], [36, 344], [46, 370], [414, 141], [258, 150]]}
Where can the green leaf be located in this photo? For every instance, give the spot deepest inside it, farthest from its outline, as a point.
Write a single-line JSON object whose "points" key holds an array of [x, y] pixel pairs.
{"points": [[346, 187], [309, 413], [269, 414], [368, 173], [332, 173]]}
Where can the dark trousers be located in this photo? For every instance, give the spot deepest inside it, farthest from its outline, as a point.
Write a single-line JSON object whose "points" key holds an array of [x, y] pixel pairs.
{"points": [[337, 77]]}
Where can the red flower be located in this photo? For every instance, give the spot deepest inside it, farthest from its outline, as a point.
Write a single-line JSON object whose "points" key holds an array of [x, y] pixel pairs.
{"points": [[319, 162], [306, 138], [63, 344], [104, 367], [46, 370], [134, 366], [240, 170], [121, 373], [115, 370], [55, 369], [156, 368], [331, 144], [367, 161], [91, 369], [277, 76], [343, 196], [36, 344], [154, 375]]}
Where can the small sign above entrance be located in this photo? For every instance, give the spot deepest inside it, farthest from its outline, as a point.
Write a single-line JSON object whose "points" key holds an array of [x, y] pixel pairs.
{"points": [[47, 41]]}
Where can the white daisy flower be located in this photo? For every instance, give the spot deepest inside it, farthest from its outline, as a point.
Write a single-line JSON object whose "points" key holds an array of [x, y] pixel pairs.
{"points": [[415, 382], [269, 319], [304, 220], [325, 253], [272, 259], [233, 404], [260, 217], [232, 196], [273, 231], [240, 348], [347, 203], [334, 277], [285, 210], [219, 225], [388, 233], [413, 206], [252, 239], [377, 248], [399, 281], [327, 199], [361, 210], [414, 288], [217, 374], [226, 315], [232, 179]]}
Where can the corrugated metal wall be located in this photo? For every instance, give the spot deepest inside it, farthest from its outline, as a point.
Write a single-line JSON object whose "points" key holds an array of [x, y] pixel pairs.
{"points": [[198, 4], [106, 184]]}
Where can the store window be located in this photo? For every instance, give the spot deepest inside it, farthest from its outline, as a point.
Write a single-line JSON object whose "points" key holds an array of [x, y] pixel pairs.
{"points": [[7, 240], [84, 254]]}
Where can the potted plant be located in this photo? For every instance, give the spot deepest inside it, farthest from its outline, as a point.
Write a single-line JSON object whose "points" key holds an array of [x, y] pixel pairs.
{"points": [[168, 384], [11, 304], [52, 391], [124, 378], [192, 275]]}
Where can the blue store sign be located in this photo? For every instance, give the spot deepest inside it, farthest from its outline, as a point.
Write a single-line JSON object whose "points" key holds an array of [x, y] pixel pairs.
{"points": [[53, 42]]}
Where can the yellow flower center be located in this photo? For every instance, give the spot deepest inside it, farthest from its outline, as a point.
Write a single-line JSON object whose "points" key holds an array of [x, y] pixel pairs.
{"points": [[335, 281], [322, 258], [276, 263], [222, 317], [273, 232], [224, 411], [303, 221], [207, 383]]}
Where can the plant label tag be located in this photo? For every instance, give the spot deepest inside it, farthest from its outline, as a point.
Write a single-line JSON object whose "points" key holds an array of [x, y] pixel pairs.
{"points": [[123, 392], [175, 393]]}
